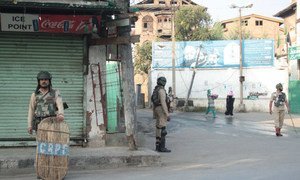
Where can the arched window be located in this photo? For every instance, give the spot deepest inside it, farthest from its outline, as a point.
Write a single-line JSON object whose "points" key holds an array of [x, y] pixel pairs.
{"points": [[147, 23]]}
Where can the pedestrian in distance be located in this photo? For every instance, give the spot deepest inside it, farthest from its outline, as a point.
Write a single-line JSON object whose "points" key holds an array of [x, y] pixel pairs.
{"points": [[211, 103], [161, 114], [170, 101], [279, 100], [229, 103], [44, 102]]}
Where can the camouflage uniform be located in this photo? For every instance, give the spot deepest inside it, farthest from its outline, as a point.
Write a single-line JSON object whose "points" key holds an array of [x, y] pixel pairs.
{"points": [[44, 104], [278, 98], [161, 115]]}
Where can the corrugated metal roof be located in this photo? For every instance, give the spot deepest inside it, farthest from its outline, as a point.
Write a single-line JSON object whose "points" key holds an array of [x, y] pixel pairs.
{"points": [[280, 21], [52, 5], [287, 10], [184, 2]]}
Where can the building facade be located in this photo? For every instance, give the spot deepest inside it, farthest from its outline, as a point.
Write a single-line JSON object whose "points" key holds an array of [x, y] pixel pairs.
{"points": [[290, 15], [71, 40], [155, 18], [255, 26], [154, 23]]}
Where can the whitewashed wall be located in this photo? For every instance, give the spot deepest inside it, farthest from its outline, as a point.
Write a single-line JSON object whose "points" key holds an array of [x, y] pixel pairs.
{"points": [[95, 122], [221, 81]]}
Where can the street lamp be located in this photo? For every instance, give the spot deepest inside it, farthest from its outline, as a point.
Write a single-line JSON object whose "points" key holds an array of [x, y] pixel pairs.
{"points": [[242, 78], [173, 48], [173, 9]]}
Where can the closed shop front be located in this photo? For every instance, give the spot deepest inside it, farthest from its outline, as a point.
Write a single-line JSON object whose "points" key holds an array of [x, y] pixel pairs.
{"points": [[22, 56]]}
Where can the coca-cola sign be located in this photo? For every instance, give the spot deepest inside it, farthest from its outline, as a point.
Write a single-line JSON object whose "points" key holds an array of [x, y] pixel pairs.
{"points": [[50, 23], [69, 24]]}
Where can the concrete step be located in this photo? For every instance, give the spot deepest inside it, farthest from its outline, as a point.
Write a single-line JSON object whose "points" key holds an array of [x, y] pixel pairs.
{"points": [[21, 160]]}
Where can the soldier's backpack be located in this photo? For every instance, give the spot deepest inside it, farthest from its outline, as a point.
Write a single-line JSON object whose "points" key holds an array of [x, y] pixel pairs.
{"points": [[280, 99], [155, 96]]}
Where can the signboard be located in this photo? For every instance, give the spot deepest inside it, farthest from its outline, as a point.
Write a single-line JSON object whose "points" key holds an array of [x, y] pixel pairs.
{"points": [[18, 22], [213, 54], [294, 53], [258, 53], [53, 149], [50, 23], [69, 23]]}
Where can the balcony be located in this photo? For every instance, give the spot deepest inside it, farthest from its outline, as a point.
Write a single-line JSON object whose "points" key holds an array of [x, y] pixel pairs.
{"points": [[164, 33]]}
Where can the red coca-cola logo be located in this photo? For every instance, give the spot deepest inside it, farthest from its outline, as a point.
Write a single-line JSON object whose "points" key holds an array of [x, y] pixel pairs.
{"points": [[68, 23], [56, 24]]}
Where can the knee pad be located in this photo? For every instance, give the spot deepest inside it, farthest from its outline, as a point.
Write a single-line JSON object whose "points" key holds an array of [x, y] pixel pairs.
{"points": [[164, 131]]}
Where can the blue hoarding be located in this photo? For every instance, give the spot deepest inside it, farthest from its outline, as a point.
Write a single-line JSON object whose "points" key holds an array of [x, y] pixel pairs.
{"points": [[213, 54]]}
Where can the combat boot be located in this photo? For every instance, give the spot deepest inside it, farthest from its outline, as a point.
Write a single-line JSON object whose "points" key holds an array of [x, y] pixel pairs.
{"points": [[162, 147], [157, 146], [278, 132]]}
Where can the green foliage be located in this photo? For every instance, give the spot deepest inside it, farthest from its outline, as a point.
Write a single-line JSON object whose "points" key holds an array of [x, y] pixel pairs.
{"points": [[143, 58], [194, 23], [216, 33], [278, 41]]}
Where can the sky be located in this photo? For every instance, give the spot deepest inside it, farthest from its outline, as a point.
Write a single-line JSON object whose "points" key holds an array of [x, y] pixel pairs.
{"points": [[220, 9]]}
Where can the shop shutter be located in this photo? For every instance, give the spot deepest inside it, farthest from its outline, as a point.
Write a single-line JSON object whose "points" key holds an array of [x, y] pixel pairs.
{"points": [[22, 56]]}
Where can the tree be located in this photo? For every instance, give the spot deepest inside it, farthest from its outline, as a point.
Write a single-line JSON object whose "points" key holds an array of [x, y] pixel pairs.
{"points": [[143, 58], [216, 32], [194, 23]]}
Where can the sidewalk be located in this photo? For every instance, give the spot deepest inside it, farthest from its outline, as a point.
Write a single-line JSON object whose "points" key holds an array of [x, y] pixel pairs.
{"points": [[21, 160]]}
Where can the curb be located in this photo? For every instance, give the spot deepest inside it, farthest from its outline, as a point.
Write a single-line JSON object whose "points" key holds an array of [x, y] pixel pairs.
{"points": [[81, 159]]}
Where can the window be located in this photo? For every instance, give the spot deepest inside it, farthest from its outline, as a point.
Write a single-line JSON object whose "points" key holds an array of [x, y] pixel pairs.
{"points": [[145, 25], [244, 22], [258, 22]]}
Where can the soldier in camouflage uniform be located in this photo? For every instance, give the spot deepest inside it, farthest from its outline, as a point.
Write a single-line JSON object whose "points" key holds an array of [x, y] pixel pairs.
{"points": [[161, 113], [278, 98], [44, 102]]}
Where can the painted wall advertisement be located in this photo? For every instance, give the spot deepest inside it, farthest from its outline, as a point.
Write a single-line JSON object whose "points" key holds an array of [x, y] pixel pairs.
{"points": [[50, 23], [213, 54]]}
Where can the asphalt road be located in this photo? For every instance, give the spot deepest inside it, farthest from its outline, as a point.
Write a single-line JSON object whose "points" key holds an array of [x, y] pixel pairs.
{"points": [[225, 148]]}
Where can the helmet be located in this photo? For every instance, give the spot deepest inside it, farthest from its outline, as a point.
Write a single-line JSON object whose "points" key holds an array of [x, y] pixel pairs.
{"points": [[44, 75], [279, 86], [161, 81]]}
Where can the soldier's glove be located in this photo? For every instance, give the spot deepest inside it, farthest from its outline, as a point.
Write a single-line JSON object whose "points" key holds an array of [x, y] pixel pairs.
{"points": [[29, 130]]}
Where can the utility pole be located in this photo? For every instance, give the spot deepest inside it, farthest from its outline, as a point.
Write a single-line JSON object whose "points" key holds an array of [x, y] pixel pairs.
{"points": [[242, 107], [192, 81], [173, 49]]}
